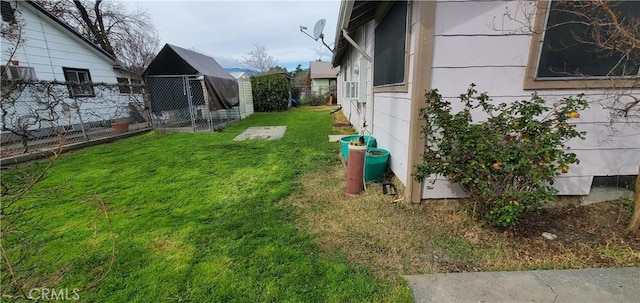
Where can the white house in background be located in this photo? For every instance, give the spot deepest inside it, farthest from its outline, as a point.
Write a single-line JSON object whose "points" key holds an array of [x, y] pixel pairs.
{"points": [[390, 53], [323, 77], [53, 51]]}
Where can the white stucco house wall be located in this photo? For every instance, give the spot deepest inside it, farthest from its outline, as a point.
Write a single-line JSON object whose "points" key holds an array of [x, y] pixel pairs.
{"points": [[399, 50], [53, 51]]}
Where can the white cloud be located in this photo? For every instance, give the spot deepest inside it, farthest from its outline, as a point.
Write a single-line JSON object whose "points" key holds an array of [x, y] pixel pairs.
{"points": [[227, 30]]}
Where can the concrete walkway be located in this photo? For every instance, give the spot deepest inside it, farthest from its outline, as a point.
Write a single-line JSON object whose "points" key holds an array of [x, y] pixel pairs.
{"points": [[262, 133], [578, 285]]}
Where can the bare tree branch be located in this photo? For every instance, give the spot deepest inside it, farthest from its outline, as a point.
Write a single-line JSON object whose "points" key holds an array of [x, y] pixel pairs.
{"points": [[259, 59], [128, 35]]}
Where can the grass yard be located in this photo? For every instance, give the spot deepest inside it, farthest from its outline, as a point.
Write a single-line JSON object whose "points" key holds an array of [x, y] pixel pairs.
{"points": [[442, 236], [196, 217]]}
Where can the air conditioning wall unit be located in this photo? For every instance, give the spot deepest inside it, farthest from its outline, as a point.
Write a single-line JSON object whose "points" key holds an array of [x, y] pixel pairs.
{"points": [[23, 73], [351, 90], [362, 86]]}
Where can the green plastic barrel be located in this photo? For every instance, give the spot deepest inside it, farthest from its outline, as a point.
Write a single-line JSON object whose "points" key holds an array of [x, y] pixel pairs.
{"points": [[344, 143], [375, 164]]}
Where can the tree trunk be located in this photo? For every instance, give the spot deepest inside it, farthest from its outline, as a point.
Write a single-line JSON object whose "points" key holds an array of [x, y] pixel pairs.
{"points": [[95, 27], [634, 225]]}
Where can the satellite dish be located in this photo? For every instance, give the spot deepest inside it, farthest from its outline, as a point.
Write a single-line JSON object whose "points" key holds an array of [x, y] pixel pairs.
{"points": [[318, 28], [317, 32]]}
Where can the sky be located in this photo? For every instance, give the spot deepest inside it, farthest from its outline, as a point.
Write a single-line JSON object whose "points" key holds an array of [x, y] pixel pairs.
{"points": [[228, 30]]}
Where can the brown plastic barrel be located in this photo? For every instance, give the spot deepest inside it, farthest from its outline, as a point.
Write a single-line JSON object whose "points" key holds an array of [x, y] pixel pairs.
{"points": [[355, 167]]}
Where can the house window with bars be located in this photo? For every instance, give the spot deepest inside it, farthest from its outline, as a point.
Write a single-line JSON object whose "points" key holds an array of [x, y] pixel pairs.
{"points": [[82, 78]]}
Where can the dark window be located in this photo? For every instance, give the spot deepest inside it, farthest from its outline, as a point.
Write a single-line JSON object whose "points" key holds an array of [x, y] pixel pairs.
{"points": [[136, 86], [389, 48], [569, 50], [8, 13], [83, 88], [123, 85]]}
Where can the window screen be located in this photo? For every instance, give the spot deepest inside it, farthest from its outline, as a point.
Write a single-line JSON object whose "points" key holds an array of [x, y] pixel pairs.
{"points": [[568, 49], [79, 76], [389, 48], [136, 86], [123, 85]]}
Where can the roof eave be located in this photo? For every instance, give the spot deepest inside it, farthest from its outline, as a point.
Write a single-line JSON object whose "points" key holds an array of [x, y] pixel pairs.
{"points": [[346, 8], [73, 31], [353, 14]]}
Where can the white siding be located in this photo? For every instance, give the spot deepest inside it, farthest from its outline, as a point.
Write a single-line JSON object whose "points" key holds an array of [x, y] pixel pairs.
{"points": [[48, 47], [385, 114], [475, 43], [357, 113]]}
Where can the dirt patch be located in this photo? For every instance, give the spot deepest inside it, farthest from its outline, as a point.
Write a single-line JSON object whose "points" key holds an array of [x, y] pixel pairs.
{"points": [[589, 224], [395, 238], [340, 121], [369, 229]]}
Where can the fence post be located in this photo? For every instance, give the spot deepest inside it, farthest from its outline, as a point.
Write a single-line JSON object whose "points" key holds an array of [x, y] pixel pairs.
{"points": [[75, 104], [210, 119], [187, 86]]}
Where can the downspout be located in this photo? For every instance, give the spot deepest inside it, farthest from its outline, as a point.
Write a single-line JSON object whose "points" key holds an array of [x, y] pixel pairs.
{"points": [[345, 34], [369, 68], [355, 45]]}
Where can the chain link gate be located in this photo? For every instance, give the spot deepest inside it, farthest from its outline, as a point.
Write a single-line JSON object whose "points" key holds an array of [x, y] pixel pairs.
{"points": [[181, 102]]}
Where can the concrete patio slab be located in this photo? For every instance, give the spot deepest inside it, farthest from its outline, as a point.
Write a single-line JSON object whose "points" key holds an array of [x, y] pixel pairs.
{"points": [[262, 133], [578, 285]]}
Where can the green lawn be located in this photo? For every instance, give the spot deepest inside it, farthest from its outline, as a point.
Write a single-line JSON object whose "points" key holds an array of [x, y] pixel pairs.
{"points": [[197, 218]]}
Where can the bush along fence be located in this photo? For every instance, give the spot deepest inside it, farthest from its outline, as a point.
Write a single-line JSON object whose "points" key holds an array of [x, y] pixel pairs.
{"points": [[40, 115], [270, 93]]}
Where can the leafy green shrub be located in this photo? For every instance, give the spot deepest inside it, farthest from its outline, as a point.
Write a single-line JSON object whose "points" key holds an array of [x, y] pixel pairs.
{"points": [[270, 93], [506, 163]]}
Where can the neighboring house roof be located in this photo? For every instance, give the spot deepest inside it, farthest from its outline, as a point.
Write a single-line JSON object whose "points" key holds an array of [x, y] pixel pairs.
{"points": [[238, 75], [352, 15], [41, 11], [247, 72], [242, 75], [170, 59], [322, 70]]}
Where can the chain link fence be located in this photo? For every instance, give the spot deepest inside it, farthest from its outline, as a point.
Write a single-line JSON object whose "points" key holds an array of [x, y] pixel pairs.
{"points": [[182, 103], [318, 95], [41, 115]]}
